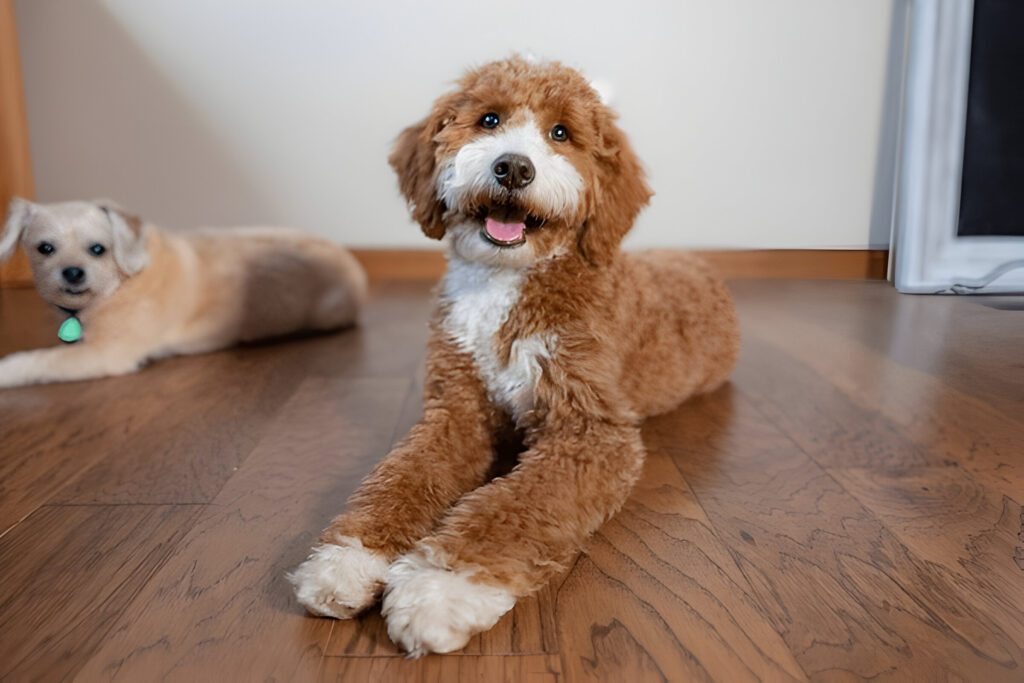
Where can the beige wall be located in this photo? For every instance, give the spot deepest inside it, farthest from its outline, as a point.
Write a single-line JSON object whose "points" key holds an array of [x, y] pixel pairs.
{"points": [[759, 120]]}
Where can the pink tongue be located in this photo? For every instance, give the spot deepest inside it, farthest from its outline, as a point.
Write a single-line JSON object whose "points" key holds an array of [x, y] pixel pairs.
{"points": [[504, 232]]}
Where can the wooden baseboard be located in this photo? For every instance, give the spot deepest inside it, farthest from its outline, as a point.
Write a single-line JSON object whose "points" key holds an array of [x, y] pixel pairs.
{"points": [[806, 264], [801, 264], [797, 264]]}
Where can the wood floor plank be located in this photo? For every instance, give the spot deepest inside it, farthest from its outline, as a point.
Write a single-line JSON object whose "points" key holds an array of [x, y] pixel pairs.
{"points": [[964, 530], [68, 574], [54, 435], [823, 420], [973, 347], [221, 606], [50, 435], [222, 403], [947, 424], [440, 669], [658, 592], [848, 597]]}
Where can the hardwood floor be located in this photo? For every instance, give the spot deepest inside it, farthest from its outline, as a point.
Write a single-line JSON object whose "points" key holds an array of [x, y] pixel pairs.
{"points": [[849, 507]]}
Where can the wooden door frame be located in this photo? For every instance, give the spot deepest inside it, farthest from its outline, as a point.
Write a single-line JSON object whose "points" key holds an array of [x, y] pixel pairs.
{"points": [[930, 256], [15, 161]]}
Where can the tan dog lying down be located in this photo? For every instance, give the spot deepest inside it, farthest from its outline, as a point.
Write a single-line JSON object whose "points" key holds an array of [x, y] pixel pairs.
{"points": [[140, 293]]}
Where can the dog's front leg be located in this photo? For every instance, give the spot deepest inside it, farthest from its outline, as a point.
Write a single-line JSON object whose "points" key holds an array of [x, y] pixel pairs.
{"points": [[508, 538], [447, 454], [66, 364]]}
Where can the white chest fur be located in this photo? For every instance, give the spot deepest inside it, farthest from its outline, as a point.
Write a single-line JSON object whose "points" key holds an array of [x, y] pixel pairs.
{"points": [[479, 299]]}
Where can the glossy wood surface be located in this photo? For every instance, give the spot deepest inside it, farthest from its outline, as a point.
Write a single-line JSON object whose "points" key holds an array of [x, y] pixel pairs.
{"points": [[848, 508]]}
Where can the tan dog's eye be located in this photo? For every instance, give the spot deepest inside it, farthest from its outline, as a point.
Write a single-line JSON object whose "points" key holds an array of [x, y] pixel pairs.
{"points": [[97, 249], [559, 133], [490, 120], [45, 248]]}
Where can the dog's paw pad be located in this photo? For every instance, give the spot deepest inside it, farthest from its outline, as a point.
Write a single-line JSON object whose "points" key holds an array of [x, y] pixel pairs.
{"points": [[339, 580], [430, 609]]}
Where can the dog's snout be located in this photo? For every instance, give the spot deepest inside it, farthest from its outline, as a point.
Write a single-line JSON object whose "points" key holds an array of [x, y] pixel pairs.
{"points": [[73, 274], [513, 171]]}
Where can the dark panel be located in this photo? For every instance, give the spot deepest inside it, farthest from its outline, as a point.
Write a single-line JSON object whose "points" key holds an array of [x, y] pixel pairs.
{"points": [[992, 191]]}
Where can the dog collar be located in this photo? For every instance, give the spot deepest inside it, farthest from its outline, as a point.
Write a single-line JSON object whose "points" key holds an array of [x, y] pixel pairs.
{"points": [[70, 330]]}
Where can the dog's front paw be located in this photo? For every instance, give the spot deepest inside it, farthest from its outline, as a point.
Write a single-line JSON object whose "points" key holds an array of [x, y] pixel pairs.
{"points": [[339, 580], [431, 609]]}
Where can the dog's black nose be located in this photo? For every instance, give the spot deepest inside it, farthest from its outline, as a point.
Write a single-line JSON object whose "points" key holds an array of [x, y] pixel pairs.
{"points": [[73, 274], [513, 171]]}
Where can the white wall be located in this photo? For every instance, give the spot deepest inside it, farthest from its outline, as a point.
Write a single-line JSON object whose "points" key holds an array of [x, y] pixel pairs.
{"points": [[759, 120]]}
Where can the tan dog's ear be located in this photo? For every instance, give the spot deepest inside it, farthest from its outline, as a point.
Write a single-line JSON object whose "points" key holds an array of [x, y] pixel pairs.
{"points": [[619, 193], [414, 160], [19, 211], [129, 236]]}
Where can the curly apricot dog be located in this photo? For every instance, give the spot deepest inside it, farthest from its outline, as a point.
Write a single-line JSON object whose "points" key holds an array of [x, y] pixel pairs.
{"points": [[542, 325]]}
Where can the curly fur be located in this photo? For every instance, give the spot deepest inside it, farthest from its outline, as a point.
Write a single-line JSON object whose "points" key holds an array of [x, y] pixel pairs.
{"points": [[562, 338]]}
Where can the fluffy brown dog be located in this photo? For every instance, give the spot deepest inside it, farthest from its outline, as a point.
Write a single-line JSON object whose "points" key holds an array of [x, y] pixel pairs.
{"points": [[542, 326], [141, 293]]}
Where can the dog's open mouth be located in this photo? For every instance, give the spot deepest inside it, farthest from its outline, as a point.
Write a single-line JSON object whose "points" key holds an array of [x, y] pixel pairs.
{"points": [[75, 292], [505, 225]]}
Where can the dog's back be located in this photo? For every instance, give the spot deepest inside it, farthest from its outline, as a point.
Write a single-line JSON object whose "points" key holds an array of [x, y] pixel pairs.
{"points": [[679, 329], [275, 281]]}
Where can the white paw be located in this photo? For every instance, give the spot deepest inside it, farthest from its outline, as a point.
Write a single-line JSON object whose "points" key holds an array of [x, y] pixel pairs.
{"points": [[429, 609], [339, 580]]}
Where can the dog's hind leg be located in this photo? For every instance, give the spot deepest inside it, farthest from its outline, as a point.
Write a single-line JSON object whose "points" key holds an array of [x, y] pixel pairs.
{"points": [[335, 308], [506, 539], [343, 295], [447, 454]]}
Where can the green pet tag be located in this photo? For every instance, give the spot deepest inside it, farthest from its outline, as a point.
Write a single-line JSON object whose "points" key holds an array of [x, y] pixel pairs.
{"points": [[70, 330]]}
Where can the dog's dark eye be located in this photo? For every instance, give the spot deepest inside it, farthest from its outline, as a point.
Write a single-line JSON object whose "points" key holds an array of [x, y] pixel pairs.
{"points": [[559, 133], [490, 120], [97, 249], [46, 248]]}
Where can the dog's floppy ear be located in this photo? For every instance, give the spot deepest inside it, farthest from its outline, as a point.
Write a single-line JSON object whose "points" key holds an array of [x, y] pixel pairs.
{"points": [[619, 192], [129, 237], [18, 214], [414, 159]]}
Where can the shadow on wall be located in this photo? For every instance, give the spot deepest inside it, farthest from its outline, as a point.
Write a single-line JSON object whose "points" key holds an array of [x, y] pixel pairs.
{"points": [[884, 194], [163, 158]]}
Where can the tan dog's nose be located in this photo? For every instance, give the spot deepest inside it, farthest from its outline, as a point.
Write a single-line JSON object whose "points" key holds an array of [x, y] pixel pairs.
{"points": [[73, 274], [513, 171]]}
